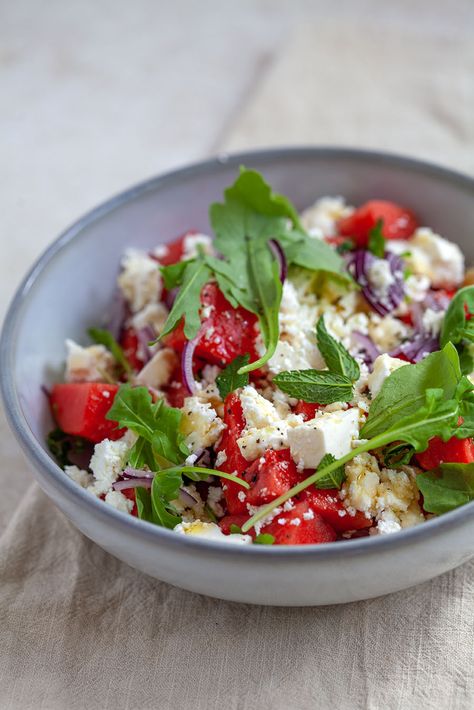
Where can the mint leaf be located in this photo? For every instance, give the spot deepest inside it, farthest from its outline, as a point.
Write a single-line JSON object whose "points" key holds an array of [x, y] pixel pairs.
{"points": [[404, 391], [264, 539], [376, 242], [333, 479], [155, 422], [335, 355], [319, 386], [105, 337], [446, 488], [229, 379]]}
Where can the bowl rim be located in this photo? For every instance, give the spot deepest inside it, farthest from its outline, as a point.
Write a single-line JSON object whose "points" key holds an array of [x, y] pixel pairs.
{"points": [[139, 528]]}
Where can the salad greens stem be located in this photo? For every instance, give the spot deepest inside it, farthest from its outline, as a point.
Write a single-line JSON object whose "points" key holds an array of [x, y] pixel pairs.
{"points": [[209, 472]]}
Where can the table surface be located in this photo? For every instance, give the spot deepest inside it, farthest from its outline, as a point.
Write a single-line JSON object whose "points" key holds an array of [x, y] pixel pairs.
{"points": [[99, 95]]}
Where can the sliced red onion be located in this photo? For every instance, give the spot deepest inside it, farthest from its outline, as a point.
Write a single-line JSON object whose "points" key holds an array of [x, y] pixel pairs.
{"points": [[203, 458], [367, 346], [187, 498], [145, 336], [117, 314], [187, 365], [416, 349], [279, 255], [360, 266], [132, 483], [45, 391], [137, 473]]}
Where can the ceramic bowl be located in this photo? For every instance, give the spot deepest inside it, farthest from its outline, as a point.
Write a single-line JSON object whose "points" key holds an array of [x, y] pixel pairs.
{"points": [[69, 288]]}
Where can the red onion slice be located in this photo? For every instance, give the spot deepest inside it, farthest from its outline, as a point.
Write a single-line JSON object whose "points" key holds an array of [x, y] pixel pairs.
{"points": [[137, 473], [415, 350], [360, 267], [187, 365], [145, 336], [279, 255], [117, 314], [132, 483], [367, 346], [186, 498]]}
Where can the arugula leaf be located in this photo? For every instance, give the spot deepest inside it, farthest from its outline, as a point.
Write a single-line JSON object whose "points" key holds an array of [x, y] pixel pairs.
{"points": [[251, 190], [335, 355], [456, 326], [376, 243], [320, 386], [187, 303], [105, 337], [229, 379], [313, 254], [446, 488], [264, 539], [174, 273], [333, 479], [164, 489], [235, 529], [157, 423], [404, 391], [143, 501], [141, 455]]}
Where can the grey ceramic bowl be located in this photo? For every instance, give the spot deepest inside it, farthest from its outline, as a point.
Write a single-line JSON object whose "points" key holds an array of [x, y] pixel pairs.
{"points": [[69, 288]]}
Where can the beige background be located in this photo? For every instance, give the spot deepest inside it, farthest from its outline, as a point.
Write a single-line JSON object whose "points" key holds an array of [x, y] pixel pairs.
{"points": [[95, 96]]}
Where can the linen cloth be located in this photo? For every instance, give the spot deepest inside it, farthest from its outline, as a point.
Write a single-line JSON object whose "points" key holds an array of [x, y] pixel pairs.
{"points": [[80, 629]]}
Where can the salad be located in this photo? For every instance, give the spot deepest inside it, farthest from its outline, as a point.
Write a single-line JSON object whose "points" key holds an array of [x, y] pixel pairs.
{"points": [[294, 379]]}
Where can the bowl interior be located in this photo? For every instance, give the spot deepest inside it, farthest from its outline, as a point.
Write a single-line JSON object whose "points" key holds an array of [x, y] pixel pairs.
{"points": [[71, 286]]}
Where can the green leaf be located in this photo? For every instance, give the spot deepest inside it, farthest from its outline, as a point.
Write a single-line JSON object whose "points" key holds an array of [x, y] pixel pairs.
{"points": [[164, 489], [174, 273], [335, 355], [187, 303], [445, 489], [141, 455], [376, 241], [105, 337], [319, 386], [265, 284], [157, 423], [251, 190], [143, 501], [456, 326], [264, 539], [404, 391], [333, 479], [229, 379], [313, 254], [235, 529]]}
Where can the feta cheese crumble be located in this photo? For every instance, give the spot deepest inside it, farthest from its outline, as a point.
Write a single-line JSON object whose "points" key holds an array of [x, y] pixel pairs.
{"points": [[211, 531]]}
